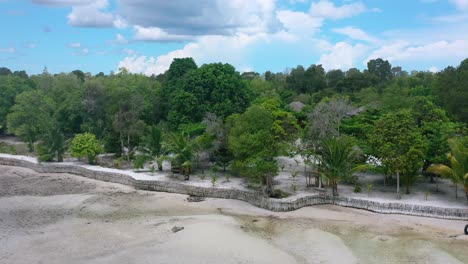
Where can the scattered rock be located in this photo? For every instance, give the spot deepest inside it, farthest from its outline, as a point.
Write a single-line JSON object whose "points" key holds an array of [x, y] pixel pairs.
{"points": [[383, 238], [255, 220], [176, 229], [195, 199]]}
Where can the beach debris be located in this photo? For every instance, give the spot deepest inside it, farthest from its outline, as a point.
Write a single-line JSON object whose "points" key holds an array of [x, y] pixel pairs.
{"points": [[195, 199], [176, 229]]}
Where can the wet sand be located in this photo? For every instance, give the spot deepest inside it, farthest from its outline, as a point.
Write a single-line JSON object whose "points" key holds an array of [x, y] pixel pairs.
{"points": [[62, 218]]}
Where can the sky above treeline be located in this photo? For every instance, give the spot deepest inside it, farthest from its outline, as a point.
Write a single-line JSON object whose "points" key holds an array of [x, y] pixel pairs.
{"points": [[253, 35]]}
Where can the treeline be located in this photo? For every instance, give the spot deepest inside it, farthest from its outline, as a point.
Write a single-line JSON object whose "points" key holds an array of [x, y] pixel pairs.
{"points": [[243, 121]]}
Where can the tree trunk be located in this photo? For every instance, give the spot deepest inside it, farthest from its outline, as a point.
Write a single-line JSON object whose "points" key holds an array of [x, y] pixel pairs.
{"points": [[128, 147], [456, 190], [407, 184], [398, 185], [335, 188]]}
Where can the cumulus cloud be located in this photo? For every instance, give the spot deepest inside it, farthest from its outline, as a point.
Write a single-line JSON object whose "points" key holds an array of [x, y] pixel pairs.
{"points": [[343, 56], [355, 33], [200, 17], [433, 69], [230, 49], [328, 9], [404, 51], [91, 15], [299, 22], [156, 34]]}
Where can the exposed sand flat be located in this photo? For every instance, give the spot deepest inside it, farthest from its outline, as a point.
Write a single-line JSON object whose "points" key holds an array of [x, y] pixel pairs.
{"points": [[61, 218]]}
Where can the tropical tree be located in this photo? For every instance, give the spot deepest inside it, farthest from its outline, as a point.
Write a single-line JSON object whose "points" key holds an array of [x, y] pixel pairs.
{"points": [[337, 157], [150, 148], [86, 145], [52, 144], [458, 170], [180, 150], [253, 145], [30, 116], [398, 143]]}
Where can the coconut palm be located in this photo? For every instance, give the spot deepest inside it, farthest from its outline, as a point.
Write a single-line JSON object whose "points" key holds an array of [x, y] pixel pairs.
{"points": [[337, 161], [151, 148], [181, 152], [458, 170]]}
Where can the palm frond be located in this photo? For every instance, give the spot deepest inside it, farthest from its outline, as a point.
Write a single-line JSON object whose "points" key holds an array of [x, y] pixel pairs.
{"points": [[443, 170]]}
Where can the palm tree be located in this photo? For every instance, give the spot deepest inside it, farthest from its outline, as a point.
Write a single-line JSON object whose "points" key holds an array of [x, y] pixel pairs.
{"points": [[181, 150], [337, 161], [458, 170], [151, 148]]}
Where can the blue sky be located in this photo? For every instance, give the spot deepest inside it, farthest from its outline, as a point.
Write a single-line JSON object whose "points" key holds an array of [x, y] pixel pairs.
{"points": [[145, 35]]}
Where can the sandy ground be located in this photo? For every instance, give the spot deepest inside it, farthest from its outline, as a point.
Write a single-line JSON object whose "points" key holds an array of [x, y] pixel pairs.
{"points": [[62, 218]]}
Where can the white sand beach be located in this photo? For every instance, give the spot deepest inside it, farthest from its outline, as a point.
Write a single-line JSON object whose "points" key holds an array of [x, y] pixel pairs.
{"points": [[63, 218]]}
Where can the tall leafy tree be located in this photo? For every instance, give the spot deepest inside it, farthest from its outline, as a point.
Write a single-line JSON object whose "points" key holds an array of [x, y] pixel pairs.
{"points": [[254, 146], [10, 87], [380, 68], [399, 144], [30, 116]]}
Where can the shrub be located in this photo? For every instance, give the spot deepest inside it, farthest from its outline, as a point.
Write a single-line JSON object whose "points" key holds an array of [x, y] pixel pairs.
{"points": [[214, 179], [86, 145], [357, 189]]}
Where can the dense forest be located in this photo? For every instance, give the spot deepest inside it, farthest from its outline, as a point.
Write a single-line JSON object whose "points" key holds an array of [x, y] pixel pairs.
{"points": [[398, 121]]}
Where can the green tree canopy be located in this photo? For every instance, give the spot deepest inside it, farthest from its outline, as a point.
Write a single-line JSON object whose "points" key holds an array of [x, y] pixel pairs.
{"points": [[30, 116], [399, 144]]}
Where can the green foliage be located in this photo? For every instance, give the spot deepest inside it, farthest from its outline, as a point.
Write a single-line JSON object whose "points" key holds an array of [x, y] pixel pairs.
{"points": [[180, 149], [357, 188], [458, 158], [214, 179], [254, 146], [450, 90], [337, 158], [30, 116], [5, 148], [10, 87], [399, 144], [86, 145]]}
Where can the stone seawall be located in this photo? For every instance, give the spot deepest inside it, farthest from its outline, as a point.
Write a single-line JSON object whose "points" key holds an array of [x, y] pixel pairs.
{"points": [[277, 205]]}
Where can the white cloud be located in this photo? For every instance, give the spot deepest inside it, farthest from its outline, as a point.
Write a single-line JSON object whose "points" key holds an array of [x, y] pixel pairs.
{"points": [[120, 23], [129, 52], [228, 49], [433, 69], [327, 9], [120, 39], [355, 33], [201, 18], [299, 22], [91, 15], [343, 56], [74, 45], [460, 4], [156, 34], [439, 50]]}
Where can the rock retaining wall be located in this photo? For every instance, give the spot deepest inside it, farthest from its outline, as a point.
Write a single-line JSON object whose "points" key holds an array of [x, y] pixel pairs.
{"points": [[277, 205]]}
